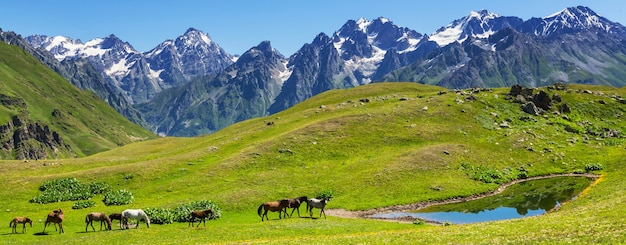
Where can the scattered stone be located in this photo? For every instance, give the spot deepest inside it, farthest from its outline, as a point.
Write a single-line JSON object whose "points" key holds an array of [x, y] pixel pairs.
{"points": [[365, 100], [557, 98], [270, 123], [564, 108], [425, 108], [446, 152], [530, 108]]}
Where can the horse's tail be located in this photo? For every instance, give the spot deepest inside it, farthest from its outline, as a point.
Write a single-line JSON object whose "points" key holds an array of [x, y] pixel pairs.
{"points": [[87, 219], [258, 211], [11, 223]]}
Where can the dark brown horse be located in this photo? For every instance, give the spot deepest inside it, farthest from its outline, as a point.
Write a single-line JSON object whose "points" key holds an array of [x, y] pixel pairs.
{"points": [[116, 216], [55, 217], [95, 216], [277, 206], [295, 203], [20, 220], [202, 215]]}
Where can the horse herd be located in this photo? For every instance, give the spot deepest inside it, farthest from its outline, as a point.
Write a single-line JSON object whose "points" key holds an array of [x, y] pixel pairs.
{"points": [[57, 216], [294, 203]]}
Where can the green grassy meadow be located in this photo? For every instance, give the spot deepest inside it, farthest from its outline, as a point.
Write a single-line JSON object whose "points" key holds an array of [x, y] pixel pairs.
{"points": [[410, 143]]}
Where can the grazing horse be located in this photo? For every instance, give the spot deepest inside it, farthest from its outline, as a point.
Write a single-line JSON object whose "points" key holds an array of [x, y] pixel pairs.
{"points": [[136, 214], [316, 203], [277, 206], [202, 215], [55, 217], [20, 220], [95, 216], [116, 216], [295, 204]]}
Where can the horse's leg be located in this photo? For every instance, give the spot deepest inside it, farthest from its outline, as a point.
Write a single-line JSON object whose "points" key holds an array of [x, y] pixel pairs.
{"points": [[44, 226], [61, 228], [23, 228], [323, 212]]}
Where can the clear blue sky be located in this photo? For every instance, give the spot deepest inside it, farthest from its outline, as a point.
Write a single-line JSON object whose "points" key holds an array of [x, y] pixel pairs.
{"points": [[237, 25]]}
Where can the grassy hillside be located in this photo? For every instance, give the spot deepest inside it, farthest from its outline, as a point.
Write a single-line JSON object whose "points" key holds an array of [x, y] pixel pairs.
{"points": [[38, 95], [373, 146]]}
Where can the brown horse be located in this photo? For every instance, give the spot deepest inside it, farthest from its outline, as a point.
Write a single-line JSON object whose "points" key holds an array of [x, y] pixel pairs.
{"points": [[116, 216], [95, 216], [277, 206], [295, 204], [20, 220], [55, 217], [202, 215]]}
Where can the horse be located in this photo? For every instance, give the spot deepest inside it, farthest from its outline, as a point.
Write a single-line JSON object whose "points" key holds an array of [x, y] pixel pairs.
{"points": [[55, 217], [95, 216], [295, 204], [20, 220], [277, 206], [202, 215], [116, 216], [136, 214], [316, 203]]}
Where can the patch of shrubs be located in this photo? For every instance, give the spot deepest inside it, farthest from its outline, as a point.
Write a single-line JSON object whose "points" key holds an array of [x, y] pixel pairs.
{"points": [[68, 189], [160, 215], [119, 197], [83, 204], [181, 213], [593, 167], [489, 175]]}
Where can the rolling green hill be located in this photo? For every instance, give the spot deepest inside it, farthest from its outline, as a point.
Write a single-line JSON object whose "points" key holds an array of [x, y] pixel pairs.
{"points": [[372, 146], [44, 116]]}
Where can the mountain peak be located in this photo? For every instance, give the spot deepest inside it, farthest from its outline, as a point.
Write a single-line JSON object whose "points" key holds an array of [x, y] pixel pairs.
{"points": [[479, 24], [571, 20]]}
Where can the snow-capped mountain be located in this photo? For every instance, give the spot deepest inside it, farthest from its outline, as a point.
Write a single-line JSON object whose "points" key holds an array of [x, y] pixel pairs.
{"points": [[571, 20], [572, 46], [362, 44], [242, 91], [141, 76], [481, 24]]}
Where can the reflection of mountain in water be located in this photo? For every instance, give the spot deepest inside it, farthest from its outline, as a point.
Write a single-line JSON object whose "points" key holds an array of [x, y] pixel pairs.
{"points": [[543, 194]]}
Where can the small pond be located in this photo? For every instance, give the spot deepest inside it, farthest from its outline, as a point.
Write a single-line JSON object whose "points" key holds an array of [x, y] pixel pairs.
{"points": [[524, 199]]}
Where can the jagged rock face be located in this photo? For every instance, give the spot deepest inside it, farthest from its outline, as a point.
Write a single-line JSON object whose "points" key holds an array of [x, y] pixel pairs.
{"points": [[242, 91], [21, 139], [317, 67]]}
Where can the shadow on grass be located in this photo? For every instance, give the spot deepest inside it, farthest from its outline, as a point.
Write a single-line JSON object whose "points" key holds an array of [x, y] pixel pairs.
{"points": [[41, 234]]}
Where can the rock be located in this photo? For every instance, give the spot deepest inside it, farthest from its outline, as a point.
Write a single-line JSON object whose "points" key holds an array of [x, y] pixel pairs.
{"points": [[564, 108], [530, 108], [542, 100]]}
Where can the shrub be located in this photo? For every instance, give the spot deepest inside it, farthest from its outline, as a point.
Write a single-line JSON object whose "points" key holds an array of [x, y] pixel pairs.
{"points": [[99, 188], [160, 215], [58, 190], [181, 213], [418, 222], [593, 167], [119, 197], [324, 194], [83, 204]]}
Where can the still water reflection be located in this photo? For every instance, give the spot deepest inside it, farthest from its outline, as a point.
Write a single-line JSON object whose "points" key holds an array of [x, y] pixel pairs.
{"points": [[524, 199]]}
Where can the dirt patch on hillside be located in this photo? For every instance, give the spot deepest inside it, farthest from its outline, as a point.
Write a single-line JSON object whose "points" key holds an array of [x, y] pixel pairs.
{"points": [[365, 214]]}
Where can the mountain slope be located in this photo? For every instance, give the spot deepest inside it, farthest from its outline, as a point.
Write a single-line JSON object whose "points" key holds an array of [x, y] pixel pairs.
{"points": [[44, 116]]}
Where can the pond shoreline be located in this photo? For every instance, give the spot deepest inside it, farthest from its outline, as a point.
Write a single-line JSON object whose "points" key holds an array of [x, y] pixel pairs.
{"points": [[365, 214]]}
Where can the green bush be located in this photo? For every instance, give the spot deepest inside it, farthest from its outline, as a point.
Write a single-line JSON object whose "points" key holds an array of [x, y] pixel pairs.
{"points": [[99, 188], [181, 213], [328, 194], [59, 190], [593, 167], [160, 215], [83, 204], [488, 175], [119, 197]]}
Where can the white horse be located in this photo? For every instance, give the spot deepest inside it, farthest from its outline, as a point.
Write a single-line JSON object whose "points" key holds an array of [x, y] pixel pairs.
{"points": [[316, 203], [136, 214]]}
